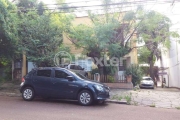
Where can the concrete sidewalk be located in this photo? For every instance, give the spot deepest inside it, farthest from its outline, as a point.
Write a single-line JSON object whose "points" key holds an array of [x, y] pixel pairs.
{"points": [[159, 97]]}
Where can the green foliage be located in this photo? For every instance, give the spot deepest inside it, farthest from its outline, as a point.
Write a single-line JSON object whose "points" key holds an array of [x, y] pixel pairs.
{"points": [[8, 30], [118, 51], [109, 34], [128, 98], [178, 108], [111, 79], [153, 105], [110, 70], [144, 70], [135, 72], [94, 71], [154, 32], [41, 36], [144, 53], [5, 69]]}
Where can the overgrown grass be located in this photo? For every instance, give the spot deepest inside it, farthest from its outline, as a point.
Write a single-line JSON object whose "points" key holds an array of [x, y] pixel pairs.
{"points": [[153, 105], [127, 97], [178, 108]]}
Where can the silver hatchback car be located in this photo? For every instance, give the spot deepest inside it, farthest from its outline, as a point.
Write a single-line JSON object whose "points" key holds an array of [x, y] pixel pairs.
{"points": [[147, 82]]}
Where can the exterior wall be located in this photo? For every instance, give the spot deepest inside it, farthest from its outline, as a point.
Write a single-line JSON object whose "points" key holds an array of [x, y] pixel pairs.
{"points": [[171, 59], [174, 66], [30, 66]]}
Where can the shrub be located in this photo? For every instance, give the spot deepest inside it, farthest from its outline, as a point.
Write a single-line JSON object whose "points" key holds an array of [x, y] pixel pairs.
{"points": [[94, 71], [111, 79], [136, 73]]}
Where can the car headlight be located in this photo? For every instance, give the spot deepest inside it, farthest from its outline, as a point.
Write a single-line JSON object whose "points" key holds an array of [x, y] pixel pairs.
{"points": [[99, 88], [151, 82]]}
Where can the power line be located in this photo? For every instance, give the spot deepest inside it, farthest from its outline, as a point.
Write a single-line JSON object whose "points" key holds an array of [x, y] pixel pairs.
{"points": [[133, 2], [100, 5]]}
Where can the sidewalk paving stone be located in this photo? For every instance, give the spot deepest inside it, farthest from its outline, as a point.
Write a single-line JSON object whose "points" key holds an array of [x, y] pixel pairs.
{"points": [[169, 98]]}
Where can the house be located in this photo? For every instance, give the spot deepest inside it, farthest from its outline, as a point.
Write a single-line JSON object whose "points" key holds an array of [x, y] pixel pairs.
{"points": [[124, 62]]}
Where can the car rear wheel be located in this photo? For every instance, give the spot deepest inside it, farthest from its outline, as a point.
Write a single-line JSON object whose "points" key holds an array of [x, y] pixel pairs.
{"points": [[85, 97], [28, 93]]}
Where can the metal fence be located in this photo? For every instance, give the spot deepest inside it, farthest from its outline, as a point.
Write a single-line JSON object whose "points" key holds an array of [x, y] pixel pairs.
{"points": [[107, 79]]}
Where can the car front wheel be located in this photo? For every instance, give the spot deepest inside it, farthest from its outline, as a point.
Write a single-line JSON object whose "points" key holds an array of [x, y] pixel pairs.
{"points": [[85, 97], [28, 94]]}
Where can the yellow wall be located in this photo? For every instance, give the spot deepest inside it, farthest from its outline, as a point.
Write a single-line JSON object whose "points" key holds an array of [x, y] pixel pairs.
{"points": [[87, 21], [66, 41]]}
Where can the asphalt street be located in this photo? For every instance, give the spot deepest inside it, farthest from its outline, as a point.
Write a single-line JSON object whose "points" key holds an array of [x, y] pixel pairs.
{"points": [[15, 108]]}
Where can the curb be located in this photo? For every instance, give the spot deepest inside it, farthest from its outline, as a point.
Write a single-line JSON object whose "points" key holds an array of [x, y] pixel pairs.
{"points": [[9, 94], [116, 101]]}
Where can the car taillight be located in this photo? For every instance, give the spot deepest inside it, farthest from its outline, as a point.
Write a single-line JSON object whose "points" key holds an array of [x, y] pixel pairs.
{"points": [[23, 79]]}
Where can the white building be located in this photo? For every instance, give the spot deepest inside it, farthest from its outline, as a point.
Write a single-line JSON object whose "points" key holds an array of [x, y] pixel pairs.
{"points": [[171, 63]]}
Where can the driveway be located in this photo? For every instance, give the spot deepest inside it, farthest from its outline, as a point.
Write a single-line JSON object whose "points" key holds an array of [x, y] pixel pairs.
{"points": [[158, 97]]}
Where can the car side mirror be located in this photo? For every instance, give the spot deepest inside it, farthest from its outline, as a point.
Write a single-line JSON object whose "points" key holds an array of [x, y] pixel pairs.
{"points": [[70, 78]]}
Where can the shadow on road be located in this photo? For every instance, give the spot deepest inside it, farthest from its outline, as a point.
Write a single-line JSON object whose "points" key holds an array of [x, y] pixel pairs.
{"points": [[61, 101]]}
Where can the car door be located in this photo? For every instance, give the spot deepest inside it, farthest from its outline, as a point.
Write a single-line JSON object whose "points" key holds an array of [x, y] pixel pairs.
{"points": [[73, 86], [42, 82], [62, 87], [59, 84]]}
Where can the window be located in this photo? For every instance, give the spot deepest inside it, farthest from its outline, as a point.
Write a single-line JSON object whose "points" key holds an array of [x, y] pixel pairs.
{"points": [[72, 66], [60, 74], [79, 67], [44, 73], [31, 73]]}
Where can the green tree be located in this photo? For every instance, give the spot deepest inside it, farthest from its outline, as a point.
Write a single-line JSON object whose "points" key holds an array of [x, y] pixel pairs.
{"points": [[109, 35], [154, 32], [41, 37], [8, 29]]}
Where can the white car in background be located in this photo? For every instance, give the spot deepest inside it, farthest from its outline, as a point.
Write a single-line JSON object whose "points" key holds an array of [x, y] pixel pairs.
{"points": [[77, 69], [147, 82]]}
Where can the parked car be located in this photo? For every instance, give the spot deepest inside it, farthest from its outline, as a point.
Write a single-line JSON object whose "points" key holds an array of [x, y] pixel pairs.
{"points": [[60, 83], [77, 68], [147, 82]]}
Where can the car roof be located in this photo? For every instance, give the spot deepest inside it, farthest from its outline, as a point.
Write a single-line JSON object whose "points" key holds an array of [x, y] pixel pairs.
{"points": [[43, 68], [146, 77]]}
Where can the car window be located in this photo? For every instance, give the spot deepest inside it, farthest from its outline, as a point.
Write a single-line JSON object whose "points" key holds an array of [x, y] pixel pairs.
{"points": [[76, 67], [44, 73], [31, 73], [81, 76], [60, 74], [72, 67], [79, 67], [146, 78]]}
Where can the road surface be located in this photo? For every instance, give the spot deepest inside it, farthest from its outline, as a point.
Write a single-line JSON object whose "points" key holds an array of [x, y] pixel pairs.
{"points": [[14, 108]]}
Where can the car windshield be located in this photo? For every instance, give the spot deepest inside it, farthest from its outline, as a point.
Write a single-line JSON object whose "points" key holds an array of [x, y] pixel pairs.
{"points": [[78, 75], [146, 79]]}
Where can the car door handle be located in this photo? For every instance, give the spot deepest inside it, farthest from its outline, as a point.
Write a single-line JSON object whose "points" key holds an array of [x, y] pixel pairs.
{"points": [[71, 85]]}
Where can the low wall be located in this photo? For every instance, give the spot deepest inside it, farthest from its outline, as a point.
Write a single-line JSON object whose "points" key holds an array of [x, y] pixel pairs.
{"points": [[120, 85]]}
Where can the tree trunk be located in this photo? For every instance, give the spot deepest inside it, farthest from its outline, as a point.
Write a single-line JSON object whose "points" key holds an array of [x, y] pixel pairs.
{"points": [[151, 66]]}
